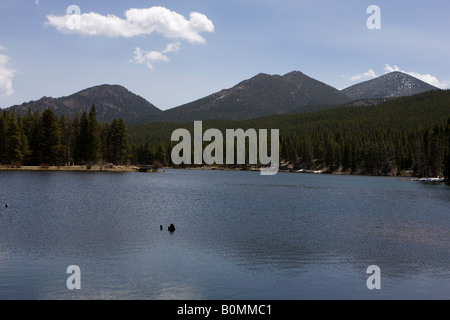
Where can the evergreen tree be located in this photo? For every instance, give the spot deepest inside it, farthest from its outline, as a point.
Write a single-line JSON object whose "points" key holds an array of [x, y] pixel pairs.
{"points": [[66, 137], [74, 144], [94, 146], [13, 144], [32, 130], [447, 156], [119, 141], [105, 137], [24, 140], [161, 154], [82, 142], [3, 130], [51, 138], [88, 141]]}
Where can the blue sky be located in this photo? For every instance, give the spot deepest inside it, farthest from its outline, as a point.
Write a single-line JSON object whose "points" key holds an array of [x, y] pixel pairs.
{"points": [[175, 51]]}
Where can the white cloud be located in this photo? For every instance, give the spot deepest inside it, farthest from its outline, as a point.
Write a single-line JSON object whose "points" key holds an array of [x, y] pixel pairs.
{"points": [[172, 47], [6, 75], [360, 77], [428, 78], [148, 57], [370, 74], [36, 1], [137, 22]]}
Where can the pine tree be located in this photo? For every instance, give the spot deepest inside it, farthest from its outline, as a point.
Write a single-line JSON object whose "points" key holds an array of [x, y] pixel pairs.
{"points": [[51, 138], [3, 130], [147, 155], [161, 154], [74, 145], [119, 141], [82, 142], [66, 137], [32, 130], [13, 144], [88, 143], [94, 147], [447, 156], [24, 140], [105, 137]]}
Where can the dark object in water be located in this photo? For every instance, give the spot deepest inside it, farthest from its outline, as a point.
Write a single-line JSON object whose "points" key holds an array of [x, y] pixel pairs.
{"points": [[160, 227], [6, 206], [171, 228]]}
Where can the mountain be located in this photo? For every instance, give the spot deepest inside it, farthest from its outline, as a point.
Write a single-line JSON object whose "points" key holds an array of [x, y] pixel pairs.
{"points": [[412, 113], [396, 136], [259, 96], [392, 85], [111, 102], [263, 95]]}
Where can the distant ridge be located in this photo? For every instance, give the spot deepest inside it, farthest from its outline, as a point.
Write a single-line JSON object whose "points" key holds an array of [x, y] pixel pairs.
{"points": [[392, 85], [111, 102], [256, 97], [260, 96]]}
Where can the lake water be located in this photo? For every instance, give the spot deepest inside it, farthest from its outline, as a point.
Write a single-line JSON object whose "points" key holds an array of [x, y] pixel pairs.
{"points": [[238, 235]]}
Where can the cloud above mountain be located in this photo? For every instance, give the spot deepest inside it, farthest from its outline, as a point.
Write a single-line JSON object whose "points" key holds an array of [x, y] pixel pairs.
{"points": [[149, 58], [7, 73], [137, 23], [428, 78], [371, 74]]}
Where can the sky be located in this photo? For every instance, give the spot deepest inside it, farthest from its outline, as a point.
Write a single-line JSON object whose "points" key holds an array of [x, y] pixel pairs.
{"points": [[173, 52]]}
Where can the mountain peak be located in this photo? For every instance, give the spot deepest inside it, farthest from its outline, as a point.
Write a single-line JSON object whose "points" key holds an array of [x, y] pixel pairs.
{"points": [[259, 96], [294, 73], [113, 88], [262, 75], [111, 102], [392, 85], [259, 77]]}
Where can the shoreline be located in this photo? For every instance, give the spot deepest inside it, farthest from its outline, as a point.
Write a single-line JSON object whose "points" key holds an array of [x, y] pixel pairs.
{"points": [[94, 168], [104, 168], [406, 177]]}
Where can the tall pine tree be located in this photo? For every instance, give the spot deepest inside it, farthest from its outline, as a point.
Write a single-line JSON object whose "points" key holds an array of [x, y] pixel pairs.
{"points": [[3, 130], [82, 141], [447, 155], [94, 142], [14, 154], [119, 145], [51, 138]]}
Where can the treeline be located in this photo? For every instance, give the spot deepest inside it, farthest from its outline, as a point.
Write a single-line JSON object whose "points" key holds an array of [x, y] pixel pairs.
{"points": [[405, 136], [424, 153], [421, 153], [44, 139]]}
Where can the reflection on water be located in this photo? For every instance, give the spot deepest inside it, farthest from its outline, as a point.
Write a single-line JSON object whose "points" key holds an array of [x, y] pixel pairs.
{"points": [[239, 236]]}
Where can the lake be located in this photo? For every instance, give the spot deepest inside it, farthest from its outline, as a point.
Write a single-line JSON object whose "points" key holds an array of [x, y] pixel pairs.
{"points": [[239, 235]]}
